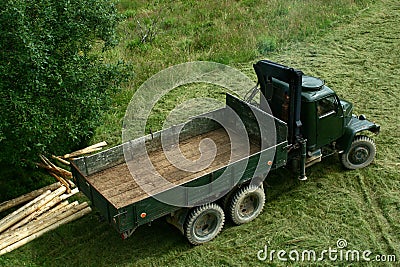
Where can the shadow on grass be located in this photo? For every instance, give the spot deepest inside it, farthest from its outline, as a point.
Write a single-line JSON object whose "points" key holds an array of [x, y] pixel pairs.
{"points": [[89, 242]]}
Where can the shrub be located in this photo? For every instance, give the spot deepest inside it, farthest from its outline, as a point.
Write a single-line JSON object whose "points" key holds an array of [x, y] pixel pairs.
{"points": [[53, 87]]}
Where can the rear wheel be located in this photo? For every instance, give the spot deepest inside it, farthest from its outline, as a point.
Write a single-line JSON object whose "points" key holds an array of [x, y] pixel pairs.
{"points": [[204, 223], [361, 154], [247, 204], [226, 200]]}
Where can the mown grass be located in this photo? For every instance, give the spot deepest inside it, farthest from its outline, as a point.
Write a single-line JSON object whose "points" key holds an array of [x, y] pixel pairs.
{"points": [[359, 59], [228, 32]]}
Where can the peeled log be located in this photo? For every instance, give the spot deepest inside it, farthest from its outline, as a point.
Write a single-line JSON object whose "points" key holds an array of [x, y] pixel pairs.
{"points": [[27, 197], [63, 161], [26, 240], [37, 225], [28, 209], [4, 222], [45, 208], [23, 233], [63, 206], [57, 170], [62, 181], [86, 150], [73, 192], [38, 212]]}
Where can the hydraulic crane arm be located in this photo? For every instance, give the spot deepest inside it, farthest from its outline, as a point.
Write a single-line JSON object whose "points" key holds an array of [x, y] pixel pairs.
{"points": [[266, 70]]}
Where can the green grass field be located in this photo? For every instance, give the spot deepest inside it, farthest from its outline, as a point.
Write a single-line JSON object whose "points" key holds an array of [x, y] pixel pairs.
{"points": [[355, 48]]}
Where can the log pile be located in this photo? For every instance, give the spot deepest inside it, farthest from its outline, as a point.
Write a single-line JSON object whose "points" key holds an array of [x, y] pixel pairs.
{"points": [[61, 174], [45, 208], [42, 214]]}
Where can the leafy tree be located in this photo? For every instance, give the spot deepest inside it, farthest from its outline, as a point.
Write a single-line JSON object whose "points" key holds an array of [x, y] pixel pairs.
{"points": [[53, 87]]}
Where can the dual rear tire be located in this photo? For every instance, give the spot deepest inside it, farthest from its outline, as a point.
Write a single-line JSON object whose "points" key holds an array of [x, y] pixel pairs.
{"points": [[205, 222], [246, 204]]}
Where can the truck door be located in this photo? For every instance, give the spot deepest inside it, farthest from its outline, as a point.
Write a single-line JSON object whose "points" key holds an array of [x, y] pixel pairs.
{"points": [[329, 121]]}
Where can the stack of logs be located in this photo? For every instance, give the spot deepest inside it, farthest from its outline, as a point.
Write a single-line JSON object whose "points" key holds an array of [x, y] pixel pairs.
{"points": [[47, 208]]}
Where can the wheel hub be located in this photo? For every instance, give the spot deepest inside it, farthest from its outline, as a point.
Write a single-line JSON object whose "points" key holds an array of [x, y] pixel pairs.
{"points": [[359, 155], [248, 206], [205, 225]]}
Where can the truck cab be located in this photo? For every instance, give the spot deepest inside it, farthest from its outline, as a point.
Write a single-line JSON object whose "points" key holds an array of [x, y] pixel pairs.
{"points": [[319, 122], [323, 114]]}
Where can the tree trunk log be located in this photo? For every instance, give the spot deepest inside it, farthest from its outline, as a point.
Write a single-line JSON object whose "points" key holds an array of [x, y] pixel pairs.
{"points": [[58, 170], [27, 197], [38, 212], [73, 192], [86, 150], [57, 210], [31, 237], [29, 208], [63, 161], [37, 226], [4, 223], [62, 181]]}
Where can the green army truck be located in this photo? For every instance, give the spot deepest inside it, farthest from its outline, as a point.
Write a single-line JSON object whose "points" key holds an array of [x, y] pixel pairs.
{"points": [[305, 121]]}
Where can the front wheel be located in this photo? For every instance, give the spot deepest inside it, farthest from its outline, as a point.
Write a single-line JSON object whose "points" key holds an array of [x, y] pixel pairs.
{"points": [[204, 223], [361, 154]]}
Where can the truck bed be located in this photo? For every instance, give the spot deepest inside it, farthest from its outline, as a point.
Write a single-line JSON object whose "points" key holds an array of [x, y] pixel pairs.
{"points": [[118, 186]]}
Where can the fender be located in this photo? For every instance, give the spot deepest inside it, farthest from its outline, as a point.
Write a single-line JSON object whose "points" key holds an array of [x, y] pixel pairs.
{"points": [[355, 126]]}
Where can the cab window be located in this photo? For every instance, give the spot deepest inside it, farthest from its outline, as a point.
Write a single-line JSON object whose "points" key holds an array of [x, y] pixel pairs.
{"points": [[327, 106]]}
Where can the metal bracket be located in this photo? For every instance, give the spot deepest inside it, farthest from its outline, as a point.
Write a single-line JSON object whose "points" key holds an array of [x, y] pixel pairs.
{"points": [[128, 233], [117, 216]]}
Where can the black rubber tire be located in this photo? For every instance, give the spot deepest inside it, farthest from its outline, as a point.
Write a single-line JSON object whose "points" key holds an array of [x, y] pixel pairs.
{"points": [[247, 204], [225, 201], [362, 152], [204, 223]]}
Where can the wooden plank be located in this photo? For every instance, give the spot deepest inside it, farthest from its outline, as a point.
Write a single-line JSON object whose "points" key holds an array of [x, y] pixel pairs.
{"points": [[115, 155], [122, 189], [185, 175], [124, 185], [185, 147], [102, 180]]}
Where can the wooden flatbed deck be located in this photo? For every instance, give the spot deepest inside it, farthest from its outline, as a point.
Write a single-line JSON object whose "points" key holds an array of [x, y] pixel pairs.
{"points": [[118, 186]]}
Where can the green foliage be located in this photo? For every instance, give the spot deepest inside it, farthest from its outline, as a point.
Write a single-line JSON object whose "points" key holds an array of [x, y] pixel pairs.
{"points": [[15, 183], [52, 88]]}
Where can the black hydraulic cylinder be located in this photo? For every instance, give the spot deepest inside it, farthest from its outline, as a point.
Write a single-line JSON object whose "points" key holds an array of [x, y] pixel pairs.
{"points": [[303, 156]]}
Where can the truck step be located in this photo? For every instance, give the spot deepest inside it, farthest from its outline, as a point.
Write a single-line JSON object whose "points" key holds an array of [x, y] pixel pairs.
{"points": [[313, 157]]}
